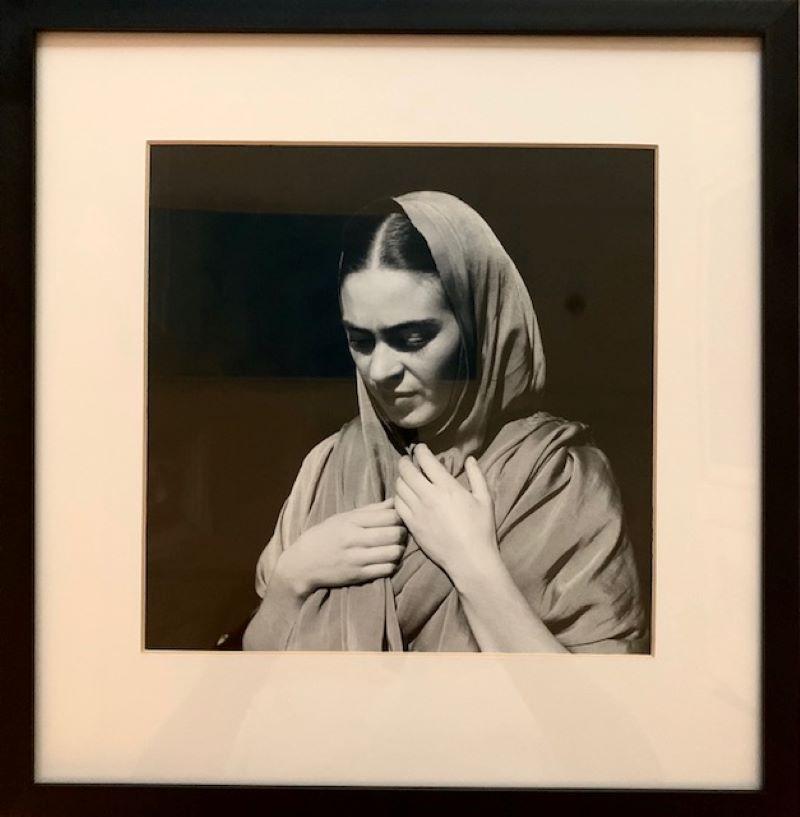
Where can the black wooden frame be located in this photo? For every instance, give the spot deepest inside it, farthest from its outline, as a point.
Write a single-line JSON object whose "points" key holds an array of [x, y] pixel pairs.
{"points": [[773, 21]]}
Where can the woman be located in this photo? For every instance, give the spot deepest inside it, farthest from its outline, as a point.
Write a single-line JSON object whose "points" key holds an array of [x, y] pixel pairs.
{"points": [[451, 514]]}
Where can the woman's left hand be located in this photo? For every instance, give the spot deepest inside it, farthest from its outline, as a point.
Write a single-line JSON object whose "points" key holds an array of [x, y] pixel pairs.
{"points": [[455, 527]]}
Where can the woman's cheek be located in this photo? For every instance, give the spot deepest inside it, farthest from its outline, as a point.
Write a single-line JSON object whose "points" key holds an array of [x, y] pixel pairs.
{"points": [[360, 363]]}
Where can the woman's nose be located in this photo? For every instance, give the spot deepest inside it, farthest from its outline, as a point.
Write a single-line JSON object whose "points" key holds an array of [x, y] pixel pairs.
{"points": [[384, 365]]}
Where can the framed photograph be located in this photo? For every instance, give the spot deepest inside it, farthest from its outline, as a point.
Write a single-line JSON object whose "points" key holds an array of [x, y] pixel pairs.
{"points": [[401, 399], [277, 344]]}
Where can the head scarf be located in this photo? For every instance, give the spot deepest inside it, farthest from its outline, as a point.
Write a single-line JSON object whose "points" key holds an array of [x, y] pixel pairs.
{"points": [[558, 512], [499, 332]]}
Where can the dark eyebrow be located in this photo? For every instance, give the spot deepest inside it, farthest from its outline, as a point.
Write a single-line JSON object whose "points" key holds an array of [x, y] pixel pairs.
{"points": [[426, 323]]}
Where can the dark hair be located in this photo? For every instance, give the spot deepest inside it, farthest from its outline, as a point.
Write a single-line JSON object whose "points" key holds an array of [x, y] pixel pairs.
{"points": [[385, 229]]}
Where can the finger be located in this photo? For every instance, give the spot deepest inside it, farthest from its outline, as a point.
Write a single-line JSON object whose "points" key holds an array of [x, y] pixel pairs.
{"points": [[403, 510], [378, 571], [368, 518], [430, 466], [405, 494], [380, 555], [377, 537], [413, 477], [477, 482]]}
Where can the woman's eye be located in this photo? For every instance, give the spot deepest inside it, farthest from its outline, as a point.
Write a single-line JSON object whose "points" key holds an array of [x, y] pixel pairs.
{"points": [[414, 341], [362, 345]]}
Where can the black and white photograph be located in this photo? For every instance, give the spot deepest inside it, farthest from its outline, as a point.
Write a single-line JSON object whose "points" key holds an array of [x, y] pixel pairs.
{"points": [[400, 398]]}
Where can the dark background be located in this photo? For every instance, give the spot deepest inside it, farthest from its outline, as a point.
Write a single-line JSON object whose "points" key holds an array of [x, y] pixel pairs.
{"points": [[247, 364]]}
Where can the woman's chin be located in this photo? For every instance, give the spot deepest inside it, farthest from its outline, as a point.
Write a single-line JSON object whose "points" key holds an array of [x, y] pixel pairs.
{"points": [[412, 419], [404, 421], [408, 425]]}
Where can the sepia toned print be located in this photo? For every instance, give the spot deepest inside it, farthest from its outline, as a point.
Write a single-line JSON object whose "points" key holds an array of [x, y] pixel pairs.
{"points": [[386, 383]]}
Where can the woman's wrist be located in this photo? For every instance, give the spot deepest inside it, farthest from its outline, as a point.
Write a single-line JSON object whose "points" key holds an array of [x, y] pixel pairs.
{"points": [[500, 617], [283, 598], [478, 567], [291, 578]]}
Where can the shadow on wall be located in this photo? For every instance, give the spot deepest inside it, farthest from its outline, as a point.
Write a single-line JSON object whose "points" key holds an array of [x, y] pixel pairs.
{"points": [[223, 454]]}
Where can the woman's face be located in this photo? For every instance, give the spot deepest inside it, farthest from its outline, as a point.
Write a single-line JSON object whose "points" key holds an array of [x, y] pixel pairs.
{"points": [[404, 340]]}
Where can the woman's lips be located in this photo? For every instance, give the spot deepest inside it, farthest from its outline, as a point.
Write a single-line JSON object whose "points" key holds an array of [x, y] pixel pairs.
{"points": [[396, 397]]}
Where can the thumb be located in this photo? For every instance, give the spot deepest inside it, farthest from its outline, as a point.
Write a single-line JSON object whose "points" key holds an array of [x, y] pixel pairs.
{"points": [[384, 503], [477, 482]]}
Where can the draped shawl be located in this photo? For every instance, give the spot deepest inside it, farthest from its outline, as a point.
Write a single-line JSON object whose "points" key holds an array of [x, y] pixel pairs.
{"points": [[560, 525]]}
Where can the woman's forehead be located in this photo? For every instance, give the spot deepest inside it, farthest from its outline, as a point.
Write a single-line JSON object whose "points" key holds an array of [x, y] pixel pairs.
{"points": [[382, 297]]}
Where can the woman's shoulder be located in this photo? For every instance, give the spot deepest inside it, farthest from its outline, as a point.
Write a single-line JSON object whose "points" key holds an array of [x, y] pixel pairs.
{"points": [[545, 422], [319, 453], [544, 438], [542, 430]]}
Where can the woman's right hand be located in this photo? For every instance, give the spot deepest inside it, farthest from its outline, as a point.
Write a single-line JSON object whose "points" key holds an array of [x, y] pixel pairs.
{"points": [[352, 547]]}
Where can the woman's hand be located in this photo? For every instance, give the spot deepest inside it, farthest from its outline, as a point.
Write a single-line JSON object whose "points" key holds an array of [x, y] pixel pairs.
{"points": [[455, 527], [348, 548]]}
